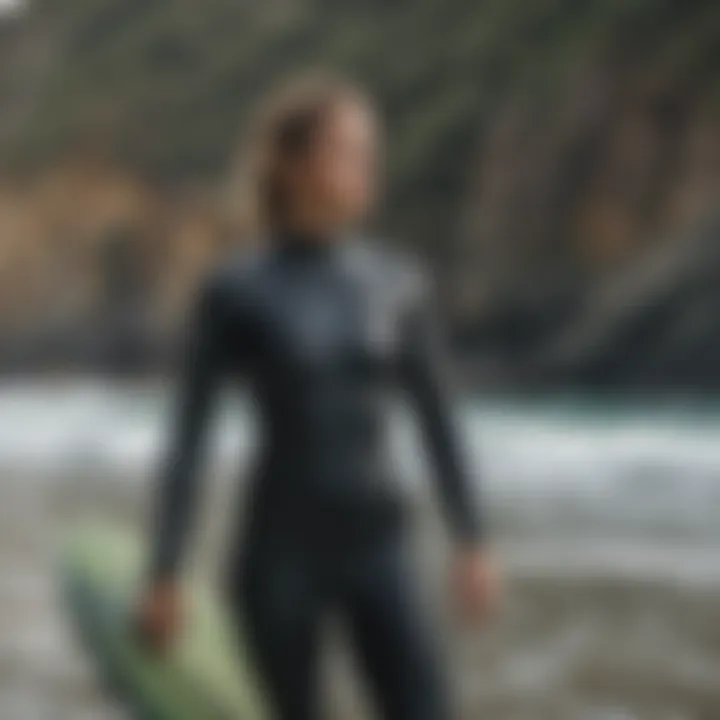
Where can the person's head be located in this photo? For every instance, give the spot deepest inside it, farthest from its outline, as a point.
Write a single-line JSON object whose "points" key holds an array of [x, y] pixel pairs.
{"points": [[312, 157]]}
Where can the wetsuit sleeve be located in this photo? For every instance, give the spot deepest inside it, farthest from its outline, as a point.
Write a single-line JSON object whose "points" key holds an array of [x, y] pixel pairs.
{"points": [[177, 488], [428, 378]]}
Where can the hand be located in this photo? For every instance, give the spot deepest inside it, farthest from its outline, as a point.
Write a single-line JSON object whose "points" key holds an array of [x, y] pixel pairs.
{"points": [[475, 583], [159, 617]]}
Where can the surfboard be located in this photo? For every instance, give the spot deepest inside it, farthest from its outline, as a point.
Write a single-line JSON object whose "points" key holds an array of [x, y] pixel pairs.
{"points": [[206, 677]]}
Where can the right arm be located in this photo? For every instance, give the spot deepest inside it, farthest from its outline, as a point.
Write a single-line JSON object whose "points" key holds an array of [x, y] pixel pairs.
{"points": [[176, 498], [177, 489]]}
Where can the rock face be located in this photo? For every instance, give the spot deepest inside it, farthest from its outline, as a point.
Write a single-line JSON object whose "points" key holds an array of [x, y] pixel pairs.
{"points": [[557, 162], [655, 324], [96, 265], [594, 231]]}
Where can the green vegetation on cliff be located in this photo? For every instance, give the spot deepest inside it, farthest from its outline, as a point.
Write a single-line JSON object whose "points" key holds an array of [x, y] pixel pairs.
{"points": [[167, 84]]}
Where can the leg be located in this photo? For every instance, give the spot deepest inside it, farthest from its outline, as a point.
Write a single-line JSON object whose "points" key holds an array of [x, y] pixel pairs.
{"points": [[280, 608], [398, 652]]}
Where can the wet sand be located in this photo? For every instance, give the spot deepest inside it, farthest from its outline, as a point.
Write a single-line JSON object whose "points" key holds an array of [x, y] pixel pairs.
{"points": [[576, 640]]}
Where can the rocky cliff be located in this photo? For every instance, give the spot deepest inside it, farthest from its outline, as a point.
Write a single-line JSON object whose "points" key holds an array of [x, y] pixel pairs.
{"points": [[558, 162]]}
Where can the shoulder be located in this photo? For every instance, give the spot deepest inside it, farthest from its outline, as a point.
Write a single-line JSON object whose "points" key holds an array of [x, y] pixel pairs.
{"points": [[397, 269], [401, 272], [235, 275], [229, 288]]}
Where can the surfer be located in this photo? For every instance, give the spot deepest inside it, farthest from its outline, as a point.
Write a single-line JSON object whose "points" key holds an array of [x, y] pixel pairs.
{"points": [[325, 328]]}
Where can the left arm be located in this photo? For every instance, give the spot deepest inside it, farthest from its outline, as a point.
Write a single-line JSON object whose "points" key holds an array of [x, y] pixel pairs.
{"points": [[426, 371]]}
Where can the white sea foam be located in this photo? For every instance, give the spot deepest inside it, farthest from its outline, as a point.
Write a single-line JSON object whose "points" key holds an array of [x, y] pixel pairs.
{"points": [[632, 461]]}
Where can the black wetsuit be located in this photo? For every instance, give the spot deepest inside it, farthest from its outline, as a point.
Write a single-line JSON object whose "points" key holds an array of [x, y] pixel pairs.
{"points": [[324, 333]]}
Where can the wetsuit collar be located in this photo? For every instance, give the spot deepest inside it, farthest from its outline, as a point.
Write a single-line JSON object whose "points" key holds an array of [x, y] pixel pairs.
{"points": [[307, 245]]}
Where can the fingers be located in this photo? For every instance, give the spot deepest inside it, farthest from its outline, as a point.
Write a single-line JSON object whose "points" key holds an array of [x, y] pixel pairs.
{"points": [[156, 637], [159, 619], [476, 587]]}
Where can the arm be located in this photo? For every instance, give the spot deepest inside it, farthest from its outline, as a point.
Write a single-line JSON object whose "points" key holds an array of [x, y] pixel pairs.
{"points": [[426, 373], [177, 490]]}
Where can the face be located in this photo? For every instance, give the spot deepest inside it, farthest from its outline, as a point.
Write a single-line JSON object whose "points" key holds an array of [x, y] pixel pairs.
{"points": [[334, 182]]}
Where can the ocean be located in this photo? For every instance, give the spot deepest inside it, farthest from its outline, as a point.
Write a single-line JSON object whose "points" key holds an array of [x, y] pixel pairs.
{"points": [[605, 513]]}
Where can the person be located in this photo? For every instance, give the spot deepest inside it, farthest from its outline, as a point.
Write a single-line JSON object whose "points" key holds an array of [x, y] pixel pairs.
{"points": [[326, 328]]}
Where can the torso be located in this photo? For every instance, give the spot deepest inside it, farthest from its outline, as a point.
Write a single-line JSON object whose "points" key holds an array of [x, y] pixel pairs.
{"points": [[318, 332]]}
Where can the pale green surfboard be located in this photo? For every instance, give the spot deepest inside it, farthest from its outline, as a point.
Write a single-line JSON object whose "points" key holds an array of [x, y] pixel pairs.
{"points": [[207, 677]]}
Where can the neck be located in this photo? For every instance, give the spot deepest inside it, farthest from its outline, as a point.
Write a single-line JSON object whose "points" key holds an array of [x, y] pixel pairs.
{"points": [[307, 243], [305, 236], [311, 222], [320, 236]]}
